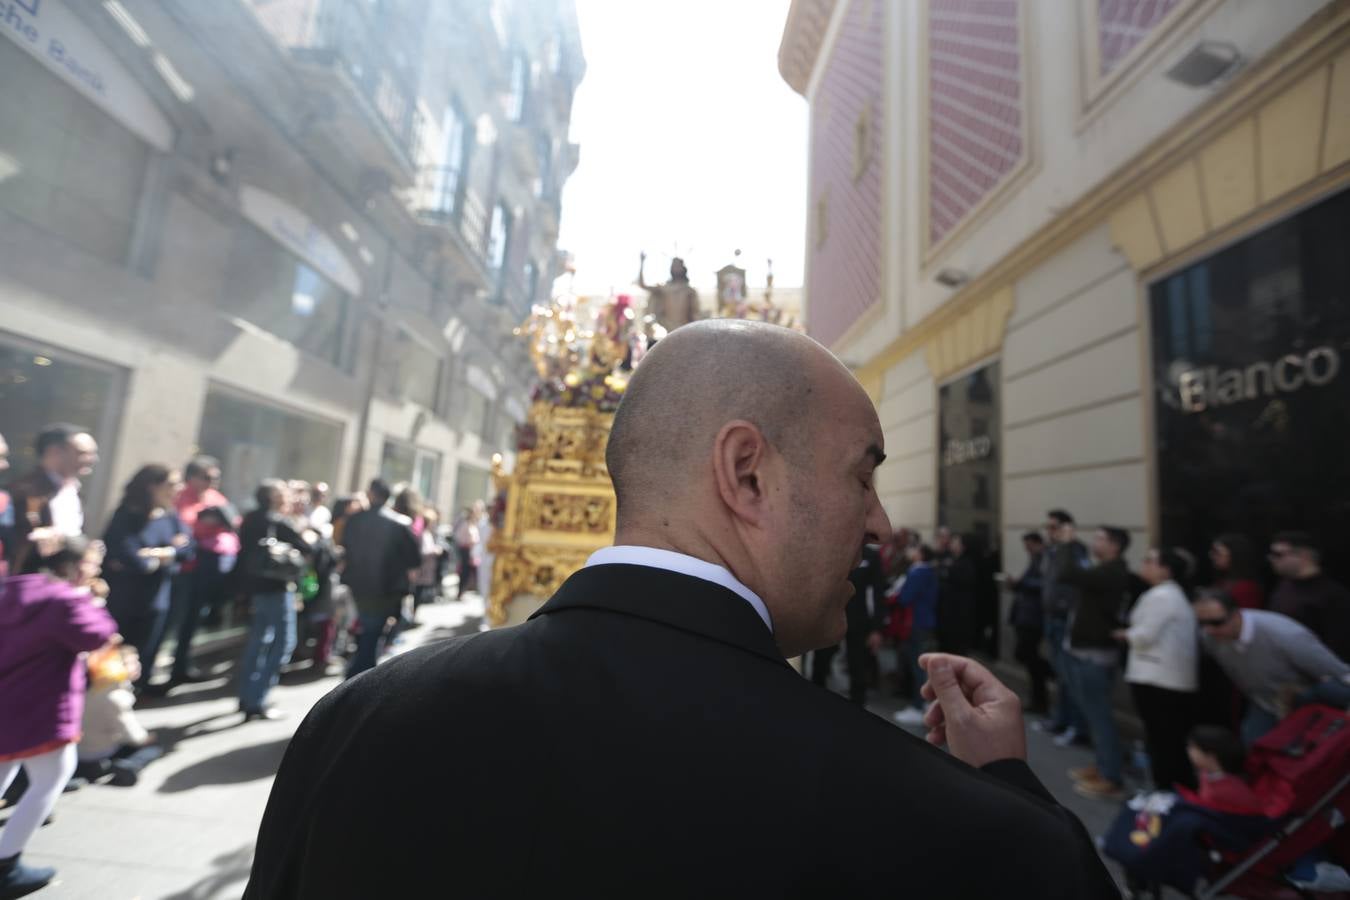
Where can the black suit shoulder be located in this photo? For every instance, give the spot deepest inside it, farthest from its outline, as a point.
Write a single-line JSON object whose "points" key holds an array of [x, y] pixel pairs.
{"points": [[620, 755]]}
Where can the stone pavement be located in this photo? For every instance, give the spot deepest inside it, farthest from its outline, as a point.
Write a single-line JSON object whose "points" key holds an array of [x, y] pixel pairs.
{"points": [[186, 831]]}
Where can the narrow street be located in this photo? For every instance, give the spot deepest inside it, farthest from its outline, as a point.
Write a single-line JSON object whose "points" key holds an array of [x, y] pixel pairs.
{"points": [[186, 831]]}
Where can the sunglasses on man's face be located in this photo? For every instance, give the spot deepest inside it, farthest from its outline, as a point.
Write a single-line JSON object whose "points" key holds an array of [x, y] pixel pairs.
{"points": [[1212, 623]]}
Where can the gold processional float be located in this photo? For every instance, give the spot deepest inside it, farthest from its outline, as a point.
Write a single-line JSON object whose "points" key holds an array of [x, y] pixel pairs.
{"points": [[557, 506]]}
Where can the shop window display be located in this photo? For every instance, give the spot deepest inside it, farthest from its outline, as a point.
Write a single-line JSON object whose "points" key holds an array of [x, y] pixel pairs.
{"points": [[1250, 348]]}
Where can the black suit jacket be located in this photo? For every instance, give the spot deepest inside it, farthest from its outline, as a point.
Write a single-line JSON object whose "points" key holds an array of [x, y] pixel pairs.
{"points": [[641, 736], [862, 621], [31, 496]]}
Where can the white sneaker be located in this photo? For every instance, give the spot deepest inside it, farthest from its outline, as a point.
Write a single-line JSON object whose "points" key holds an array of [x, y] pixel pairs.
{"points": [[1069, 735], [910, 716]]}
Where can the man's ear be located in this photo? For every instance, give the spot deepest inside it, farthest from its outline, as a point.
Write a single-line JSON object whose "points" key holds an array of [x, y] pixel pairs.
{"points": [[740, 453]]}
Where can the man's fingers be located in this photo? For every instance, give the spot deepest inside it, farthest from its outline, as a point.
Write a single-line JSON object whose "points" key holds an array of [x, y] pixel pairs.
{"points": [[946, 687], [934, 718], [936, 736]]}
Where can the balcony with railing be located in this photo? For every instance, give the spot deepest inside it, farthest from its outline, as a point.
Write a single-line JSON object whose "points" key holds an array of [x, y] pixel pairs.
{"points": [[443, 203], [341, 55]]}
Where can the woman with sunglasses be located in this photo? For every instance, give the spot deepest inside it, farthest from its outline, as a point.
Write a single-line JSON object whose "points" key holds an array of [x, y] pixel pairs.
{"points": [[1162, 671]]}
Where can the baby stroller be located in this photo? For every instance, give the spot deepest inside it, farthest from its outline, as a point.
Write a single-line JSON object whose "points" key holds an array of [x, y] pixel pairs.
{"points": [[1301, 771]]}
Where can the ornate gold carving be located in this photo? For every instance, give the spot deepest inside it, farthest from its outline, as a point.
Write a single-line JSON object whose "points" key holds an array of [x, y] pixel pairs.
{"points": [[569, 513], [559, 505], [531, 572]]}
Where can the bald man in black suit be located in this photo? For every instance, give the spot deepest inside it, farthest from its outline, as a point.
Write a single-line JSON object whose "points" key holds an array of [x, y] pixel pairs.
{"points": [[642, 734]]}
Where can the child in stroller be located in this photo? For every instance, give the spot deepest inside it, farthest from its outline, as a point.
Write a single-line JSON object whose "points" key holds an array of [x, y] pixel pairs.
{"points": [[1274, 833]]}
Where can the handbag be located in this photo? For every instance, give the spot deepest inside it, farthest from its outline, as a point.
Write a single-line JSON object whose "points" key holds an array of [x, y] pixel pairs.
{"points": [[277, 560]]}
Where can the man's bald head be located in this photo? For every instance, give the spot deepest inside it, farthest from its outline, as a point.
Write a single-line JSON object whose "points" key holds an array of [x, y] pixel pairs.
{"points": [[696, 380], [751, 447]]}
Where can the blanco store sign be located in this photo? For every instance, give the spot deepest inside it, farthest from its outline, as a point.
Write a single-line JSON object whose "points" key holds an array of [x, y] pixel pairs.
{"points": [[55, 37], [292, 229]]}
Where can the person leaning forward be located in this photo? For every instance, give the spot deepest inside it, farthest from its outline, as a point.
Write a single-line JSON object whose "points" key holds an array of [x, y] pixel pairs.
{"points": [[642, 734]]}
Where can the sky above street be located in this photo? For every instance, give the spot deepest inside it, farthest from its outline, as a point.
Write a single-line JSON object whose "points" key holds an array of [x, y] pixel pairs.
{"points": [[690, 140]]}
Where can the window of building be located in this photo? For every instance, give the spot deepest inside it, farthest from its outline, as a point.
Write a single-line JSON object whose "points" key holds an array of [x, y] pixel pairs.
{"points": [[531, 282], [555, 54], [471, 483], [418, 371], [449, 176], [506, 433], [66, 167], [498, 14], [499, 236], [402, 463], [277, 292], [476, 410], [40, 385], [254, 441], [545, 150], [519, 87]]}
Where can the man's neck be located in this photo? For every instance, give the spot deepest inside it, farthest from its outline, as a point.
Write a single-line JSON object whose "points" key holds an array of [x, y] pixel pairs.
{"points": [[1308, 574], [697, 546]]}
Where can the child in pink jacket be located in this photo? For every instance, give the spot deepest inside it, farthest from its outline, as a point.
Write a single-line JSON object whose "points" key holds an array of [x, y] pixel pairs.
{"points": [[48, 621]]}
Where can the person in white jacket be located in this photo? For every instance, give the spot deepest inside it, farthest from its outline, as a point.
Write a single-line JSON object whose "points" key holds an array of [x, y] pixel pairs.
{"points": [[1163, 668]]}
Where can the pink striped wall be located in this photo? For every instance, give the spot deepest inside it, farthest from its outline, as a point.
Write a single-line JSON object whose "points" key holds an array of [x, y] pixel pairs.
{"points": [[1122, 24], [845, 270], [975, 128]]}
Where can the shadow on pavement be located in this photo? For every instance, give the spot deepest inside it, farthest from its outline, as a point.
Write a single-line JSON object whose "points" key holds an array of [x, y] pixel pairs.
{"points": [[169, 737], [234, 767], [305, 671], [202, 692], [231, 872], [444, 633]]}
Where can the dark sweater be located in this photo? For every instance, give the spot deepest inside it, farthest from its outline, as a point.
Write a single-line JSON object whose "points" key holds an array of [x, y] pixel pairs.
{"points": [[137, 585], [1028, 608], [1103, 590], [257, 527], [1321, 605]]}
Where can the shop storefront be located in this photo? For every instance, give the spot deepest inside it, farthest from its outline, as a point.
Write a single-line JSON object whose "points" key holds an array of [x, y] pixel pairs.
{"points": [[40, 385], [968, 503], [471, 483], [968, 467], [402, 463], [1249, 352], [254, 441]]}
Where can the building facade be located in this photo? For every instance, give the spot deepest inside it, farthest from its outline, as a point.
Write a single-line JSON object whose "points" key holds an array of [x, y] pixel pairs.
{"points": [[1088, 255], [292, 234]]}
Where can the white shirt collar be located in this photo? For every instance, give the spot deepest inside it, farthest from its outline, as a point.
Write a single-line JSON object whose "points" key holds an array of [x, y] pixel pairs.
{"points": [[683, 564]]}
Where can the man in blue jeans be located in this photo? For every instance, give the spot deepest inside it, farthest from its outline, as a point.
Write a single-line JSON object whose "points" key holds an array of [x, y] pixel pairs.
{"points": [[380, 550], [1093, 654], [271, 640], [1060, 599], [271, 590]]}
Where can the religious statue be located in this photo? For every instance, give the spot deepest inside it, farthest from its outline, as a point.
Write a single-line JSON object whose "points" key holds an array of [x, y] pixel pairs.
{"points": [[733, 300], [674, 303]]}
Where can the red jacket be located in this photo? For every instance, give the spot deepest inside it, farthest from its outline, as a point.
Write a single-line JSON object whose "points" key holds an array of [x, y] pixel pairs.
{"points": [[1225, 793]]}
